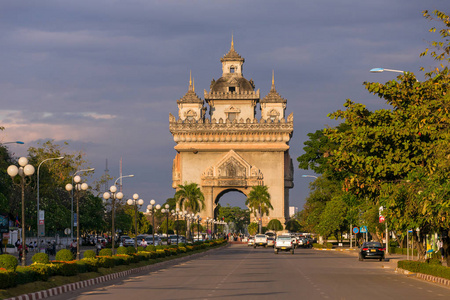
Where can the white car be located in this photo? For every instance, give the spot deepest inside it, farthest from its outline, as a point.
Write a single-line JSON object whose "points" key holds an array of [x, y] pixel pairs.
{"points": [[283, 243], [250, 241], [128, 242], [260, 240]]}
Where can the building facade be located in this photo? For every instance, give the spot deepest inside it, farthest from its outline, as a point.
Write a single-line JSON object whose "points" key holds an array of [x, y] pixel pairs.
{"points": [[231, 150]]}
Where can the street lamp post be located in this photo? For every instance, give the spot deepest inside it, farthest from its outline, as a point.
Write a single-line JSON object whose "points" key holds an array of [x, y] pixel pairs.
{"points": [[151, 208], [175, 214], [71, 202], [37, 228], [113, 194], [135, 202], [24, 170], [198, 227], [78, 187], [167, 221]]}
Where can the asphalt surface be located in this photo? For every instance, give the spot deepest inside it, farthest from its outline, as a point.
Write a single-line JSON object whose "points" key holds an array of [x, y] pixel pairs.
{"points": [[241, 272]]}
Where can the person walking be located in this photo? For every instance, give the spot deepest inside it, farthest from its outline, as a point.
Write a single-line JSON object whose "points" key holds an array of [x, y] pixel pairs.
{"points": [[440, 245]]}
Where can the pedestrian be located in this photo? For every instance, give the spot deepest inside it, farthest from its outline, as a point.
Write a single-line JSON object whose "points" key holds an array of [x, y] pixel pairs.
{"points": [[440, 245], [99, 247], [17, 244]]}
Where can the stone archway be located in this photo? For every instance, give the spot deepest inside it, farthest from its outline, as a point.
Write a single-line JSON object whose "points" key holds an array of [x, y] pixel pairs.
{"points": [[223, 193]]}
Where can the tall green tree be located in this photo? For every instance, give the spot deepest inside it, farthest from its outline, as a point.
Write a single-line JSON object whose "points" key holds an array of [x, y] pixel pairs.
{"points": [[190, 197], [258, 201], [234, 214], [275, 225], [398, 157]]}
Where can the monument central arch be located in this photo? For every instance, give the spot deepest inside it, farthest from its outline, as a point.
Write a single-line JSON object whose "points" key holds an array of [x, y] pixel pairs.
{"points": [[231, 149]]}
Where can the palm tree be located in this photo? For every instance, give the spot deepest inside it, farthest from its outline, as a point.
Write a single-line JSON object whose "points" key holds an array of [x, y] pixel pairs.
{"points": [[258, 200], [190, 197]]}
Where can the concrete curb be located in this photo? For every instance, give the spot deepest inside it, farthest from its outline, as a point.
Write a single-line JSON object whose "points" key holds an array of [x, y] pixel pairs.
{"points": [[426, 277], [90, 282]]}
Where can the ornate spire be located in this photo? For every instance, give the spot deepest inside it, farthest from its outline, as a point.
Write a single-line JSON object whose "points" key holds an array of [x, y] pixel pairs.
{"points": [[273, 80], [190, 96], [232, 55], [273, 96]]}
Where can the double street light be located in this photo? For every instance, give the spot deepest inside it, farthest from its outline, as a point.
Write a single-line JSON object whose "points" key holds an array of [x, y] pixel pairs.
{"points": [[152, 208], [114, 194], [71, 205], [23, 170], [78, 187], [166, 211], [136, 202]]}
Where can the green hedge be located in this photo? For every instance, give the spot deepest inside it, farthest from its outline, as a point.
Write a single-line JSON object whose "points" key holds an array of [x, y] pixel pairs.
{"points": [[433, 269], [121, 250], [7, 278], [89, 254], [41, 269], [105, 252], [64, 255], [41, 258], [8, 262], [402, 251]]}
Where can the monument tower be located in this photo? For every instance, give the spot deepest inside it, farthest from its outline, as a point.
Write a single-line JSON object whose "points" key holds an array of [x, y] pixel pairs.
{"points": [[231, 150]]}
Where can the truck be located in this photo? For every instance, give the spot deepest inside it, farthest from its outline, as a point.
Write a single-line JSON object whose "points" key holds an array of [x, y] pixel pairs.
{"points": [[283, 243], [260, 240]]}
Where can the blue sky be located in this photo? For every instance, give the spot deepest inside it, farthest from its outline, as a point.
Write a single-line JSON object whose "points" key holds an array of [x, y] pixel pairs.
{"points": [[104, 75]]}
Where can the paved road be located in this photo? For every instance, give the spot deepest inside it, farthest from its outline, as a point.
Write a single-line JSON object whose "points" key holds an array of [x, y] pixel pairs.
{"points": [[241, 272]]}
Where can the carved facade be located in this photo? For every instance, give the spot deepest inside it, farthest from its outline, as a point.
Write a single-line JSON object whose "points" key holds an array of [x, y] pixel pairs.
{"points": [[231, 150]]}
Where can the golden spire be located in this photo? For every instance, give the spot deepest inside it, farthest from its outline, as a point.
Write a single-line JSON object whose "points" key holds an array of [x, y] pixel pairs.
{"points": [[190, 79], [193, 85], [232, 42], [273, 80]]}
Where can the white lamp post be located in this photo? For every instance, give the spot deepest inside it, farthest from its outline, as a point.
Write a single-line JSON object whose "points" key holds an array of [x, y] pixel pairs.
{"points": [[78, 187], [37, 228], [24, 170], [113, 194], [71, 205], [151, 208], [135, 202]]}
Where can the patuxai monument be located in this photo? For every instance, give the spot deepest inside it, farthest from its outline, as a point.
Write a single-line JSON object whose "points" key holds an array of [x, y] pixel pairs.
{"points": [[231, 150]]}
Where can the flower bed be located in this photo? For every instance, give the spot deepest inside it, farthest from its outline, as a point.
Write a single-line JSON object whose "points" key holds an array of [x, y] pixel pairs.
{"points": [[12, 275]]}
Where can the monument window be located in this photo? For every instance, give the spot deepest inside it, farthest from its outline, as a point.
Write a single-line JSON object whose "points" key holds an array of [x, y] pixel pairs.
{"points": [[232, 89], [232, 69], [232, 116]]}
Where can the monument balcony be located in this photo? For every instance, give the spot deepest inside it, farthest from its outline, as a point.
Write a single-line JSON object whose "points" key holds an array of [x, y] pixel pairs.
{"points": [[246, 95]]}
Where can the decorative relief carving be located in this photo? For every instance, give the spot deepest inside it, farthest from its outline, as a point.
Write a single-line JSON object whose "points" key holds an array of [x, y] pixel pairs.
{"points": [[232, 170]]}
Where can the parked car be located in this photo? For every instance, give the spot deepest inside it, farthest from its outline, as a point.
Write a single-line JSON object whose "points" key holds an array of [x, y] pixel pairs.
{"points": [[250, 241], [123, 238], [128, 242], [172, 240], [283, 243], [371, 250], [149, 240], [260, 240]]}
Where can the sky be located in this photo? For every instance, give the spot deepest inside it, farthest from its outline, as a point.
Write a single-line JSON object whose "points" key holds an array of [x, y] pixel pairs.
{"points": [[104, 75]]}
